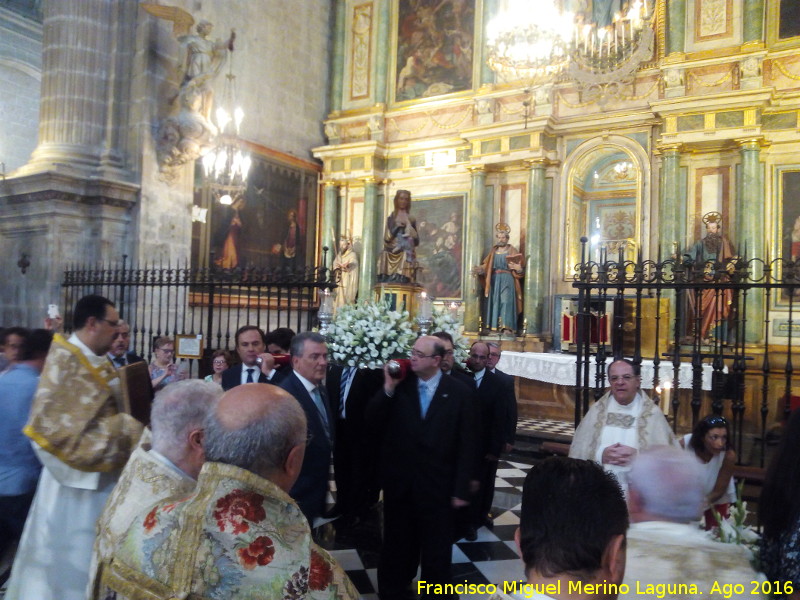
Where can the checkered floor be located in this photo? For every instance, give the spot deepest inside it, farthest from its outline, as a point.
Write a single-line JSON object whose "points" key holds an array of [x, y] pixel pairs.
{"points": [[492, 558], [545, 429]]}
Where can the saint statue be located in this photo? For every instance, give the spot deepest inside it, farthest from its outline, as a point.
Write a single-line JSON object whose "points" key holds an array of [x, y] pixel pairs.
{"points": [[398, 260], [346, 263], [714, 254], [502, 271]]}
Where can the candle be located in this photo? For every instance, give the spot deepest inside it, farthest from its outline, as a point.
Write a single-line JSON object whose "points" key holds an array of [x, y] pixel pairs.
{"points": [[665, 397]]}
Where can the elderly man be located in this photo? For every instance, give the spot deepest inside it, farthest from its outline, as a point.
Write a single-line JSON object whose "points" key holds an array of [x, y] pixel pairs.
{"points": [[250, 346], [306, 382], [426, 424], [120, 354], [239, 535], [667, 551], [165, 466], [571, 533], [83, 441], [623, 422]]}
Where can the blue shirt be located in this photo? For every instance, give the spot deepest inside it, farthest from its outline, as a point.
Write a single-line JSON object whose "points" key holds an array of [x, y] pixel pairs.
{"points": [[19, 467]]}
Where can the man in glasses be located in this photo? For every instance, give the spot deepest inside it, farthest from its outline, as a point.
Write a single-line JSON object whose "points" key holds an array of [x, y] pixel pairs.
{"points": [[83, 441], [426, 424], [621, 424], [120, 354]]}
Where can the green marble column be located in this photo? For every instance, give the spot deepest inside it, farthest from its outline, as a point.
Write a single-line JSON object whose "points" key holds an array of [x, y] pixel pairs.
{"points": [[748, 238], [489, 11], [369, 237], [382, 59], [671, 206], [753, 21], [676, 25], [536, 239], [337, 59], [329, 213], [477, 210]]}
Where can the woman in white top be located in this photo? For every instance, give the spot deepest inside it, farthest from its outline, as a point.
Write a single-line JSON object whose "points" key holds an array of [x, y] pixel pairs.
{"points": [[710, 443]]}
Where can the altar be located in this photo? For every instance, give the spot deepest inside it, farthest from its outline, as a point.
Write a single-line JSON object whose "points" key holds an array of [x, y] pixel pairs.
{"points": [[546, 381]]}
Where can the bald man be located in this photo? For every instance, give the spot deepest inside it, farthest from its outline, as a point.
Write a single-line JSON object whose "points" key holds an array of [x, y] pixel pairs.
{"points": [[239, 534]]}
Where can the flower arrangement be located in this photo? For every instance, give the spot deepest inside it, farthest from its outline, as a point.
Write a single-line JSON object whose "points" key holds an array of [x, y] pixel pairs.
{"points": [[732, 529], [368, 334], [443, 320]]}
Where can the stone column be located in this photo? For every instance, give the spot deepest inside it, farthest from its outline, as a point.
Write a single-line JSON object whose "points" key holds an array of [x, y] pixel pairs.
{"points": [[671, 205], [535, 287], [369, 238], [753, 22], [329, 212], [337, 58], [676, 26], [476, 216], [381, 67], [748, 238]]}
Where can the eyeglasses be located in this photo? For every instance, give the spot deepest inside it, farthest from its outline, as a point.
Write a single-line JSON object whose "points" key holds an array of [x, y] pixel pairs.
{"points": [[220, 362], [478, 356], [167, 350], [449, 353], [715, 420], [418, 354], [626, 377], [112, 323]]}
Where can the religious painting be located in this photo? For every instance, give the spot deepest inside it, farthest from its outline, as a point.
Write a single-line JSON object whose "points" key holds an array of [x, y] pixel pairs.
{"points": [[789, 223], [440, 224], [435, 46], [789, 19], [272, 224]]}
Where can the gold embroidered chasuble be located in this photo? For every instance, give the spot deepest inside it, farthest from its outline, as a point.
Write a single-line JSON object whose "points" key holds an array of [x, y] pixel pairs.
{"points": [[236, 536], [75, 415], [145, 480]]}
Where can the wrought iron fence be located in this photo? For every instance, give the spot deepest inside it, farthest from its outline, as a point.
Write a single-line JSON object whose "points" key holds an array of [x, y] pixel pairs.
{"points": [[170, 300], [717, 337]]}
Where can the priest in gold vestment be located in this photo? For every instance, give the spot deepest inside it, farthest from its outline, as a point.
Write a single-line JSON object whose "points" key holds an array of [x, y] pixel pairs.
{"points": [[240, 534], [165, 463], [83, 440]]}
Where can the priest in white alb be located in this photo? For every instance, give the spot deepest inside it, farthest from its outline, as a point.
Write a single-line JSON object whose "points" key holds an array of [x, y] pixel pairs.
{"points": [[622, 423]]}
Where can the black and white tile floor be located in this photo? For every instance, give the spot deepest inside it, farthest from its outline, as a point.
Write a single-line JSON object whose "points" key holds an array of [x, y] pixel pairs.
{"points": [[492, 558]]}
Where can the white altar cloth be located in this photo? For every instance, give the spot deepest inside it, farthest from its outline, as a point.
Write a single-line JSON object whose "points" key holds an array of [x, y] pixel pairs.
{"points": [[561, 369]]}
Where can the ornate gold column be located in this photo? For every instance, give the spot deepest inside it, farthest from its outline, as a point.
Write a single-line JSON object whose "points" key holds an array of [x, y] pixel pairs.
{"points": [[371, 233], [538, 221], [329, 221], [476, 213]]}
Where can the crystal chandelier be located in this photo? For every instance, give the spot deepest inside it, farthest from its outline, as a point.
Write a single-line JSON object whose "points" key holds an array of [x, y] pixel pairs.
{"points": [[226, 165]]}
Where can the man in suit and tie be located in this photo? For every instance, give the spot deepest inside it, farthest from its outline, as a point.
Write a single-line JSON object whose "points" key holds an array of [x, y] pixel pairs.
{"points": [[495, 414], [119, 353], [426, 424], [349, 391], [250, 347], [494, 357], [449, 360], [306, 383]]}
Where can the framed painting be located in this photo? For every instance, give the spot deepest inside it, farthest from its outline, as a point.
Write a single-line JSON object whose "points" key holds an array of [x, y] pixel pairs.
{"points": [[272, 224], [440, 223], [788, 239], [783, 23], [435, 48]]}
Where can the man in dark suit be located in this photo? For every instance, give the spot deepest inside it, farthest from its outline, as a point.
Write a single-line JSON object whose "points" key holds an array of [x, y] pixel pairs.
{"points": [[119, 354], [449, 360], [306, 383], [494, 357], [494, 416], [426, 424], [250, 347], [349, 391]]}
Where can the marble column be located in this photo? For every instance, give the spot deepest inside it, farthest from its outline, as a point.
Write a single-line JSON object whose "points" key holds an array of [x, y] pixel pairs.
{"points": [[536, 238], [473, 254], [753, 21], [329, 212], [748, 238], [337, 58], [676, 26], [672, 205], [369, 238], [382, 59]]}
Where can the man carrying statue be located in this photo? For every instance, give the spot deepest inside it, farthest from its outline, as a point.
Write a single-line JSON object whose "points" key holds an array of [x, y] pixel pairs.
{"points": [[502, 271], [714, 253]]}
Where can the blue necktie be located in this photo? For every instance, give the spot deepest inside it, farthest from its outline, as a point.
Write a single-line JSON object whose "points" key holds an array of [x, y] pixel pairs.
{"points": [[347, 375], [249, 375], [424, 399]]}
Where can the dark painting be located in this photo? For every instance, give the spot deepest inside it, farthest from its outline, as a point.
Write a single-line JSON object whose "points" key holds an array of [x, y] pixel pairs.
{"points": [[440, 223]]}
